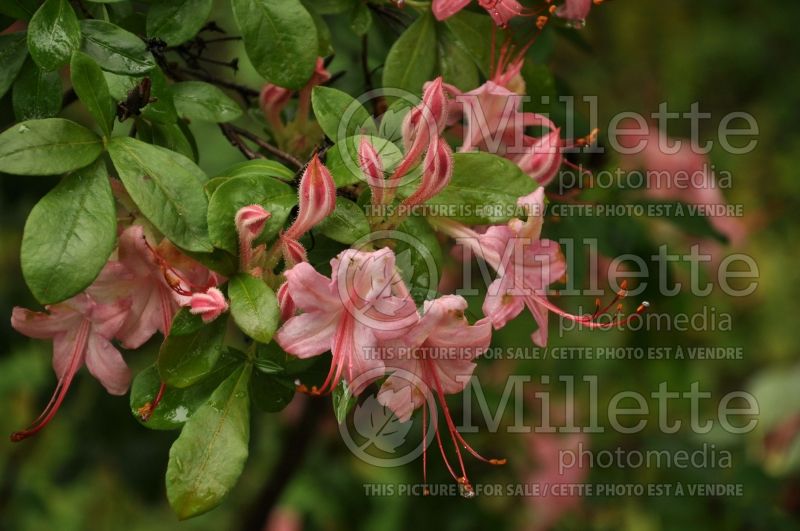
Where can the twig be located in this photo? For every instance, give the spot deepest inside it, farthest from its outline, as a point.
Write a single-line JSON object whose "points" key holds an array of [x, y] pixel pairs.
{"points": [[237, 142], [245, 92]]}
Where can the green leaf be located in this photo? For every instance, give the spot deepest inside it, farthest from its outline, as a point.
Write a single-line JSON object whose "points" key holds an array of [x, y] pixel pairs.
{"points": [[115, 49], [37, 93], [207, 459], [259, 168], [197, 100], [419, 258], [69, 235], [53, 33], [339, 114], [330, 7], [176, 405], [485, 187], [470, 31], [177, 21], [254, 307], [455, 64], [412, 59], [275, 196], [271, 392], [13, 51], [280, 39], [168, 189], [162, 110], [191, 350], [168, 136], [90, 86], [346, 224], [343, 401], [342, 159], [360, 19], [47, 147], [19, 9]]}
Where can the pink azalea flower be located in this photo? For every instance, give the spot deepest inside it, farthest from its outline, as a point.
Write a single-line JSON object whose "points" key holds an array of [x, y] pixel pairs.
{"points": [[81, 330], [208, 305], [343, 313], [501, 11], [526, 265], [435, 358], [155, 280]]}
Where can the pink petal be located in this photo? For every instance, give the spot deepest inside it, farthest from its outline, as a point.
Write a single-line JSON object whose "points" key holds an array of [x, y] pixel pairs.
{"points": [[308, 334], [443, 9], [310, 290], [106, 364]]}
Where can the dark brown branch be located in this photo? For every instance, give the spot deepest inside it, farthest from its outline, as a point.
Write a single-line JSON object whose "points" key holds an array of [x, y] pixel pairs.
{"points": [[263, 144], [290, 460], [238, 143], [245, 92]]}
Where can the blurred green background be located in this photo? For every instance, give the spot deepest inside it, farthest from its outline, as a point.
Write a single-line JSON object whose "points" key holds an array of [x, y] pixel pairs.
{"points": [[96, 468]]}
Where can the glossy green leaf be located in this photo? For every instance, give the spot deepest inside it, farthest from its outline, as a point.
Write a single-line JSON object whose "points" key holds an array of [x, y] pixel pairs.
{"points": [[339, 114], [412, 59], [254, 307], [205, 462], [346, 224], [19, 9], [69, 235], [162, 109], [13, 50], [280, 39], [259, 168], [37, 93], [197, 100], [275, 196], [176, 405], [360, 19], [191, 350], [53, 33], [115, 49], [455, 64], [342, 159], [343, 401], [485, 187], [470, 31], [90, 86], [168, 189], [168, 136], [177, 21], [47, 147], [271, 392]]}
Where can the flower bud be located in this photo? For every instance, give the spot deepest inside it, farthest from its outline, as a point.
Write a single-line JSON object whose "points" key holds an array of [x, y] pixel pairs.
{"points": [[317, 198], [272, 101], [437, 170], [293, 251], [372, 167], [250, 222], [208, 305], [543, 158], [286, 303]]}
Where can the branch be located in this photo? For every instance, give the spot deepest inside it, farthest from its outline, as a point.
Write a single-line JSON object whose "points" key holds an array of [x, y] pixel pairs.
{"points": [[230, 129], [289, 462]]}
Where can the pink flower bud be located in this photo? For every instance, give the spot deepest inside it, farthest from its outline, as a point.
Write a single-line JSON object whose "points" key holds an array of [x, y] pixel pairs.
{"points": [[437, 169], [317, 198], [208, 305], [372, 166], [250, 220], [286, 303], [272, 101], [293, 251]]}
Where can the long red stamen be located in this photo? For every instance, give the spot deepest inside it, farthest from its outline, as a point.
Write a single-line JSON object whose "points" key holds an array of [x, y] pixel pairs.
{"points": [[61, 388]]}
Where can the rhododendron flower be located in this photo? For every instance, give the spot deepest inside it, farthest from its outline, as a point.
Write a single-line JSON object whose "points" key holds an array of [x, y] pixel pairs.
{"points": [[364, 295], [81, 330], [156, 280], [526, 265], [208, 305], [439, 351], [501, 11]]}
